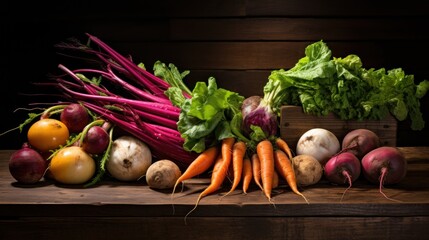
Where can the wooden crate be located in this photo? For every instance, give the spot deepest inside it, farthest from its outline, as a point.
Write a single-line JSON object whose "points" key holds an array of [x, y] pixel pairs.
{"points": [[294, 122]]}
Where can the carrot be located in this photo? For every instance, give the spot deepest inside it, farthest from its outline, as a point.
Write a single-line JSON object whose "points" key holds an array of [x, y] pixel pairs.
{"points": [[220, 170], [238, 153], [284, 167], [201, 164], [275, 179], [265, 152], [281, 144], [246, 174], [256, 170]]}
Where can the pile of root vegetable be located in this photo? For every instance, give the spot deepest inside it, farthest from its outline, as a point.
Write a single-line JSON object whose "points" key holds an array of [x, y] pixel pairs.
{"points": [[129, 122]]}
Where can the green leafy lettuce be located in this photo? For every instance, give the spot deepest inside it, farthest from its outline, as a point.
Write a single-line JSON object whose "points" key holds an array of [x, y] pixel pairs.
{"points": [[206, 116], [322, 84]]}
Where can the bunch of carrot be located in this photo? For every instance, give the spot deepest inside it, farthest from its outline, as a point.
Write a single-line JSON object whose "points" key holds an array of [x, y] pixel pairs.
{"points": [[269, 159]]}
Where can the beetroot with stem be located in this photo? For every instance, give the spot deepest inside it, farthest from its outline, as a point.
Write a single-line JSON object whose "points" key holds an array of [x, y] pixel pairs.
{"points": [[343, 168], [75, 117], [95, 139], [384, 166]]}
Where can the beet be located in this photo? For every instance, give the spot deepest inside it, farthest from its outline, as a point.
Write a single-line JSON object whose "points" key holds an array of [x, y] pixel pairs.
{"points": [[75, 117], [96, 140], [343, 168], [360, 142], [384, 165]]}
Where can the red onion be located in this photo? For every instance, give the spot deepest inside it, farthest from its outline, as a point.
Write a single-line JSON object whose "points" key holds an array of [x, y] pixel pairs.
{"points": [[27, 165]]}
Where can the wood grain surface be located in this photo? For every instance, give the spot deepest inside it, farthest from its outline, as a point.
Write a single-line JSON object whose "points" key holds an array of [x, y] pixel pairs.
{"points": [[112, 207]]}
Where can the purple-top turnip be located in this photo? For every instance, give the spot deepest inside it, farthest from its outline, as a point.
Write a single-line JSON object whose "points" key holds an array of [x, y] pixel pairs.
{"points": [[249, 104], [261, 116]]}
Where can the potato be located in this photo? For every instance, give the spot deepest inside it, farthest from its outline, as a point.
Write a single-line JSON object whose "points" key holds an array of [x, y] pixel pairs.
{"points": [[162, 174], [308, 169]]}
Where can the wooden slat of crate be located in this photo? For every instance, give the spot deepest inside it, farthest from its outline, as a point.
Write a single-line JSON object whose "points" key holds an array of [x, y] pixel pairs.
{"points": [[294, 122]]}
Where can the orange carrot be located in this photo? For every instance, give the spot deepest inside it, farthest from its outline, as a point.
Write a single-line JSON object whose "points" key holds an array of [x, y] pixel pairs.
{"points": [[238, 153], [285, 168], [256, 170], [282, 144], [275, 179], [265, 152], [230, 173], [247, 174], [220, 170], [201, 164]]}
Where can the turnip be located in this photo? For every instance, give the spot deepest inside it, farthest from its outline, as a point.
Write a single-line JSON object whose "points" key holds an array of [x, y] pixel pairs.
{"points": [[384, 166], [258, 112], [129, 158], [360, 142], [162, 174], [249, 104], [319, 143], [343, 168], [308, 170]]}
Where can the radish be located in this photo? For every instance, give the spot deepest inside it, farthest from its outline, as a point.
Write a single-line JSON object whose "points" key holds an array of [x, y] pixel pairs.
{"points": [[343, 168], [384, 166], [319, 143], [360, 142]]}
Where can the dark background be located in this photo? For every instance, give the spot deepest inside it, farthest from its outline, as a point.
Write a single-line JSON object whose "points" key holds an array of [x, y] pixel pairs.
{"points": [[238, 42]]}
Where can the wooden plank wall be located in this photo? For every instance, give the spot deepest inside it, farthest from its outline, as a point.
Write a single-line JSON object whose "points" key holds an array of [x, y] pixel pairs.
{"points": [[237, 42]]}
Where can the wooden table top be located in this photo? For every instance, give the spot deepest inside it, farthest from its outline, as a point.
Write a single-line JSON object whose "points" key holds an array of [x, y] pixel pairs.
{"points": [[114, 198]]}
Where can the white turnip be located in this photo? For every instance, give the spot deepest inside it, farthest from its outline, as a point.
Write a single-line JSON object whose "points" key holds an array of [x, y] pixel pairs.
{"points": [[162, 174], [343, 168], [129, 158], [384, 166], [360, 142], [320, 143]]}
